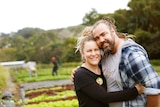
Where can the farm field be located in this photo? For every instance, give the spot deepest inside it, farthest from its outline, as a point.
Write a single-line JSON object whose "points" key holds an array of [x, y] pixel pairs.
{"points": [[47, 90], [57, 96], [44, 90]]}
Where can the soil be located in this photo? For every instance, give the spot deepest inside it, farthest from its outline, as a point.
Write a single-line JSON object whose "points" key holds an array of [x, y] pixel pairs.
{"points": [[66, 85], [16, 89], [68, 98], [52, 93]]}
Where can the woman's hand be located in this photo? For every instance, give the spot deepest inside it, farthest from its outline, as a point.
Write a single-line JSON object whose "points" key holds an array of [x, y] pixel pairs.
{"points": [[140, 88]]}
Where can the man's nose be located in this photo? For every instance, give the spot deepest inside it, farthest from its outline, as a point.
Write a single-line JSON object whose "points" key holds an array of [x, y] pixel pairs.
{"points": [[101, 39]]}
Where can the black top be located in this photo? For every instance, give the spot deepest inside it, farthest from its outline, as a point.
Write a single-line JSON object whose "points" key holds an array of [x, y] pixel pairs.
{"points": [[91, 93], [55, 64]]}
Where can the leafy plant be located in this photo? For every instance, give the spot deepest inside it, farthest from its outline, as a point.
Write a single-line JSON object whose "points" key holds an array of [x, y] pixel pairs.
{"points": [[4, 77]]}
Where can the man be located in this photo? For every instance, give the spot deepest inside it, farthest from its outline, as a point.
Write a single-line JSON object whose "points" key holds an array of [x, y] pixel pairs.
{"points": [[55, 66], [124, 62]]}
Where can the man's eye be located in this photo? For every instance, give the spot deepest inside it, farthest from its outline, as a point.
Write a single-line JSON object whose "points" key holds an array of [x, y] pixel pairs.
{"points": [[104, 33], [96, 38]]}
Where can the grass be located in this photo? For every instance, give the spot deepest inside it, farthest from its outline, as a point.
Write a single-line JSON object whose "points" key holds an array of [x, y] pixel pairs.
{"points": [[156, 65], [4, 77], [44, 72], [157, 68]]}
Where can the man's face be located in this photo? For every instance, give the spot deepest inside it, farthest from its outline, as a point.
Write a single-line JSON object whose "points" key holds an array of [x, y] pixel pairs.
{"points": [[104, 37]]}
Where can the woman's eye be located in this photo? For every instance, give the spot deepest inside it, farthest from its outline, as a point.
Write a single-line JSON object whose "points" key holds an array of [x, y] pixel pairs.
{"points": [[89, 51], [97, 49]]}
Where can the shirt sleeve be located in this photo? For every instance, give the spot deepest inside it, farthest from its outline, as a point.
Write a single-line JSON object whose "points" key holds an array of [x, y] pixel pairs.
{"points": [[99, 93], [140, 70], [89, 87]]}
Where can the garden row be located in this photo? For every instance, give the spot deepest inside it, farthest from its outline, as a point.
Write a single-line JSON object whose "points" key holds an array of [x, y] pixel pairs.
{"points": [[57, 96]]}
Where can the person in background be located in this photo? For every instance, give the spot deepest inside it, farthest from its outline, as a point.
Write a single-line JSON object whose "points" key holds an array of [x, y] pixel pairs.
{"points": [[31, 67], [89, 81], [55, 66], [124, 62], [32, 70]]}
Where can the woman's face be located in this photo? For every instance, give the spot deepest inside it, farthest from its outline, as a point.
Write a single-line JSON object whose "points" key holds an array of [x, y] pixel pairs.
{"points": [[91, 53]]}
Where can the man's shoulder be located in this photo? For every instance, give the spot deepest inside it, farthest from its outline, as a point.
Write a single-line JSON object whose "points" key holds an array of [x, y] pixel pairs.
{"points": [[132, 47], [130, 44]]}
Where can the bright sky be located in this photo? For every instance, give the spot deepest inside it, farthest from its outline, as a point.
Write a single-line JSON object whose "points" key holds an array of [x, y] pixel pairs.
{"points": [[50, 14]]}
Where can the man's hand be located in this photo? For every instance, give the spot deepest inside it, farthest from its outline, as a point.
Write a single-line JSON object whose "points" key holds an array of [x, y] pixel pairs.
{"points": [[73, 72]]}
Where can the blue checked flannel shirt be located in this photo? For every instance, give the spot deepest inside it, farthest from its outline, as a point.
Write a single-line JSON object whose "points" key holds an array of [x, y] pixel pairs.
{"points": [[135, 68]]}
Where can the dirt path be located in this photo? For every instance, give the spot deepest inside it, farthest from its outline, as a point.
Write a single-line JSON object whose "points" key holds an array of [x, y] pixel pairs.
{"points": [[44, 84]]}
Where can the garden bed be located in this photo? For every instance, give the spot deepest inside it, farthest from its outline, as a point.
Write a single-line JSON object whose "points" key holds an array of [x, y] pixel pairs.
{"points": [[51, 95]]}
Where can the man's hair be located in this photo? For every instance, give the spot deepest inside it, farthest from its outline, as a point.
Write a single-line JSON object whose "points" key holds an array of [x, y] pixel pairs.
{"points": [[110, 22], [107, 21]]}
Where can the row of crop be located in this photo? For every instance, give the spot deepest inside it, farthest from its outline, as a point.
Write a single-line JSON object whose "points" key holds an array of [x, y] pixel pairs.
{"points": [[66, 103], [44, 89], [57, 96], [45, 97]]}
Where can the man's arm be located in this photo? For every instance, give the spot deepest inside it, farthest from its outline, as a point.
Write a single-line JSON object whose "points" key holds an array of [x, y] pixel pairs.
{"points": [[73, 72], [140, 70]]}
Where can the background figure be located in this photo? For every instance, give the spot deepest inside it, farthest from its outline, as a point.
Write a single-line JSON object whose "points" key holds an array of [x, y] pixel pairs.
{"points": [[55, 66], [31, 67]]}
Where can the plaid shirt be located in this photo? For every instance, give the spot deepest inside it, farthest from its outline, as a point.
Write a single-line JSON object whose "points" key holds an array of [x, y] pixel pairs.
{"points": [[135, 68]]}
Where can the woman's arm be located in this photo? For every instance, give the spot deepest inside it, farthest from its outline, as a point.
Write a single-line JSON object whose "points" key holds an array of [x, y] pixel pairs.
{"points": [[99, 93]]}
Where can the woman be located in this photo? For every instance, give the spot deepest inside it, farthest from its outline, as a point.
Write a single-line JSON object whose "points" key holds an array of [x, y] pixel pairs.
{"points": [[89, 82]]}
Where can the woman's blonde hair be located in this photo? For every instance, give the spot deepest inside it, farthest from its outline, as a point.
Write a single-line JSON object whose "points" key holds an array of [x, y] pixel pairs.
{"points": [[86, 35]]}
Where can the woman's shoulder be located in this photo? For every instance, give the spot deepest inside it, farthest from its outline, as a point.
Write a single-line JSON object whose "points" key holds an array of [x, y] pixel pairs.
{"points": [[81, 71]]}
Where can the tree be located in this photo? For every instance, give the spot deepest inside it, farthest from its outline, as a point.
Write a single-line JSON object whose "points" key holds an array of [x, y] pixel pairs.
{"points": [[7, 54], [90, 18], [121, 20], [69, 50], [145, 14]]}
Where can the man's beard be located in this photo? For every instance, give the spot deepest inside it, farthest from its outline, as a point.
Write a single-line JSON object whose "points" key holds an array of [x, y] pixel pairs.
{"points": [[110, 47]]}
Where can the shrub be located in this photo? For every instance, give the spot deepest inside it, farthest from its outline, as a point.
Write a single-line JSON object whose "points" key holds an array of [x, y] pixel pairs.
{"points": [[4, 77]]}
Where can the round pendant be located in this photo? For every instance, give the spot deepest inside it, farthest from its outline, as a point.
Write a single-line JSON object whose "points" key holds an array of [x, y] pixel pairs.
{"points": [[99, 80]]}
